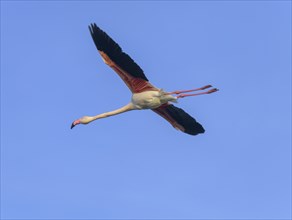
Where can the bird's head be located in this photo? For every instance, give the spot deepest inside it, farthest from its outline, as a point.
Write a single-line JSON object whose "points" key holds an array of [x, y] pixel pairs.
{"points": [[84, 120]]}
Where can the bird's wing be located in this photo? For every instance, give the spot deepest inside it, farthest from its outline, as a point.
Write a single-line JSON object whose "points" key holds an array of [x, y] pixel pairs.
{"points": [[119, 61], [179, 119]]}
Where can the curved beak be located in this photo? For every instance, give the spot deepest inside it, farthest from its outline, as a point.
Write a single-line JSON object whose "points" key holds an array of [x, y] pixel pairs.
{"points": [[72, 126], [76, 122]]}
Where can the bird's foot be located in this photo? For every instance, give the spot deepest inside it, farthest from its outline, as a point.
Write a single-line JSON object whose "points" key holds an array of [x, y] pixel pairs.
{"points": [[212, 90], [205, 87]]}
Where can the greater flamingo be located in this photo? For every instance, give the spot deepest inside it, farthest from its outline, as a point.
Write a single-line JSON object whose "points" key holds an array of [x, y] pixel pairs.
{"points": [[144, 94]]}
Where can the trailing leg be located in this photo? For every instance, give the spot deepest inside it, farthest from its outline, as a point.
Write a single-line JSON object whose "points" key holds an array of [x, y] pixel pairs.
{"points": [[200, 93], [191, 90]]}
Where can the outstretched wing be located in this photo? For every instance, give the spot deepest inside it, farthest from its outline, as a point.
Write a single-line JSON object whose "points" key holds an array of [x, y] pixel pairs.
{"points": [[179, 119], [119, 61]]}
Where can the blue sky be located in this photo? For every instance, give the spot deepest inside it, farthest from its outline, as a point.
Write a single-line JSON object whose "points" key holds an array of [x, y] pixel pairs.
{"points": [[135, 165]]}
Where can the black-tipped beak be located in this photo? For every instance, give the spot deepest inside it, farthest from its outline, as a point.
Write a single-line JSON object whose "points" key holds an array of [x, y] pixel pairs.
{"points": [[72, 126]]}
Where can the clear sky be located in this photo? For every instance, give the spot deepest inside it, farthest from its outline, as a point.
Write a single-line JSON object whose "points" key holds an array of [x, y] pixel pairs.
{"points": [[135, 165]]}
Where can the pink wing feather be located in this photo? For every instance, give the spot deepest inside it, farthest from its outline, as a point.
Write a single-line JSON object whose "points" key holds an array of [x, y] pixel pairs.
{"points": [[120, 62]]}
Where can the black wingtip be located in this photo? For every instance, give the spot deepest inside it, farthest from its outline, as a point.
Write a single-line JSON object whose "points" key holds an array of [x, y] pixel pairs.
{"points": [[106, 44], [190, 125], [90, 27]]}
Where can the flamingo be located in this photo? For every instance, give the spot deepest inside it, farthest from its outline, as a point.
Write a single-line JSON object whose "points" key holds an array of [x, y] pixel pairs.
{"points": [[144, 94]]}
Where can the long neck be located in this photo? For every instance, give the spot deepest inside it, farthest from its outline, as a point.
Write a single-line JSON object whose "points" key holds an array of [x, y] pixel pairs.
{"points": [[125, 108]]}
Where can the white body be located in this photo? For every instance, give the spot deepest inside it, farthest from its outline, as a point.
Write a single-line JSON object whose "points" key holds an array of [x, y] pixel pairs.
{"points": [[151, 99]]}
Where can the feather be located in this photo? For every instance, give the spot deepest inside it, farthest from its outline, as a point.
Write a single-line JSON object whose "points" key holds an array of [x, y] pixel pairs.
{"points": [[106, 44], [180, 119]]}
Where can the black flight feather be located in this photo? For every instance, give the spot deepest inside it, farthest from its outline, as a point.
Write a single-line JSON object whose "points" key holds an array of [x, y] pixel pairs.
{"points": [[190, 125], [105, 43]]}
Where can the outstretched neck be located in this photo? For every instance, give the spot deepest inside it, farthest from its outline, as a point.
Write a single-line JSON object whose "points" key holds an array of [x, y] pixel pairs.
{"points": [[125, 108]]}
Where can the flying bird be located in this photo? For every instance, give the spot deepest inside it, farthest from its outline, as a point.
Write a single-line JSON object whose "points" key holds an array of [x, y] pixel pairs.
{"points": [[144, 94]]}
